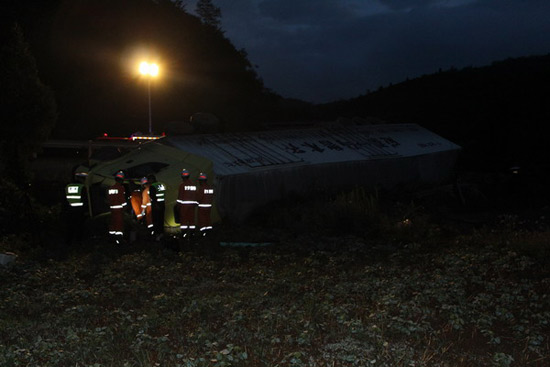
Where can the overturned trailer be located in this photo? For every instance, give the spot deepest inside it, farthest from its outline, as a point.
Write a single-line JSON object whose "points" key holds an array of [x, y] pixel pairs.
{"points": [[249, 170]]}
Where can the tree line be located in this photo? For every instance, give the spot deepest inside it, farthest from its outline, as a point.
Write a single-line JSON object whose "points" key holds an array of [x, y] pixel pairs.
{"points": [[498, 113], [87, 52]]}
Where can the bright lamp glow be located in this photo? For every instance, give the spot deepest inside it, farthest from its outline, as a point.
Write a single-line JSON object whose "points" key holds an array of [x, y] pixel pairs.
{"points": [[148, 69], [144, 68], [153, 69]]}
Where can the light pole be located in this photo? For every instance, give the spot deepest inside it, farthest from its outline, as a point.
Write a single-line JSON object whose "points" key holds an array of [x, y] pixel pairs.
{"points": [[150, 70]]}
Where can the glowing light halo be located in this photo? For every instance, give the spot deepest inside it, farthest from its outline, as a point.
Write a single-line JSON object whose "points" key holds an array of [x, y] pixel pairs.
{"points": [[150, 69], [153, 69]]}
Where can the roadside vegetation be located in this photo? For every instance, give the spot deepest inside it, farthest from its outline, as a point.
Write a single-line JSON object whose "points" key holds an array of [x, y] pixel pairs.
{"points": [[350, 280]]}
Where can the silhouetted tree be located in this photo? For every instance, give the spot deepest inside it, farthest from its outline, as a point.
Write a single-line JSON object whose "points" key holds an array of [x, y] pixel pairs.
{"points": [[209, 13], [28, 110]]}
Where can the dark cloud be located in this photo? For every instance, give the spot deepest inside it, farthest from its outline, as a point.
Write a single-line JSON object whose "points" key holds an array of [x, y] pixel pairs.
{"points": [[311, 12], [408, 4], [323, 50]]}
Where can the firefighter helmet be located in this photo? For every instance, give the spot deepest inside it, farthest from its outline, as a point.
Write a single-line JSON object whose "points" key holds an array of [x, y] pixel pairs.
{"points": [[120, 175], [185, 173], [203, 177]]}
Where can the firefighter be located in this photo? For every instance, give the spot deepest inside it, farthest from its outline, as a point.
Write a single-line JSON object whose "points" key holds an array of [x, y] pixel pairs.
{"points": [[186, 203], [117, 202], [76, 209], [205, 199], [157, 192], [146, 207], [135, 201]]}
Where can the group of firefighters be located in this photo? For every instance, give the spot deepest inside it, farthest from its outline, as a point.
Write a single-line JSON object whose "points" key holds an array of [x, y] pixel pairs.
{"points": [[147, 205]]}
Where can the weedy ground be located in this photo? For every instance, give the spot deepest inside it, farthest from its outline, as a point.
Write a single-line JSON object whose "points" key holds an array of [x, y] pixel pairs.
{"points": [[336, 285]]}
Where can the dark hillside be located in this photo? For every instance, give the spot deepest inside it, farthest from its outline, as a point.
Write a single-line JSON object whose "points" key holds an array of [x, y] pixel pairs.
{"points": [[499, 113], [88, 52]]}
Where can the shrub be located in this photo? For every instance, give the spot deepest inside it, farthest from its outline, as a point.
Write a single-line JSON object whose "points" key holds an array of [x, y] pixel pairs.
{"points": [[16, 210], [26, 224], [522, 236]]}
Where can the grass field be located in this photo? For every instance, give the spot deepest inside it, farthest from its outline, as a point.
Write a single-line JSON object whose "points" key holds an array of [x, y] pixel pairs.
{"points": [[415, 294]]}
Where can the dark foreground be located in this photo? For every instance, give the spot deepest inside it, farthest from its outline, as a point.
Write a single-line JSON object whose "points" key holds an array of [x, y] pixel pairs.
{"points": [[409, 298]]}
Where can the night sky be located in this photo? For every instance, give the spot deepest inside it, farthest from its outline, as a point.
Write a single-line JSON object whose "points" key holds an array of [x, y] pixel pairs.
{"points": [[325, 50]]}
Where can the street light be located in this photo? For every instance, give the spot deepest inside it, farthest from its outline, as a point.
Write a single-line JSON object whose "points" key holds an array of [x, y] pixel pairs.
{"points": [[150, 70]]}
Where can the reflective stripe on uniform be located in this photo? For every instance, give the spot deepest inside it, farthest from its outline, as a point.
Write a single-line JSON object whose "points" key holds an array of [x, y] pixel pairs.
{"points": [[187, 201], [73, 194], [205, 205]]}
